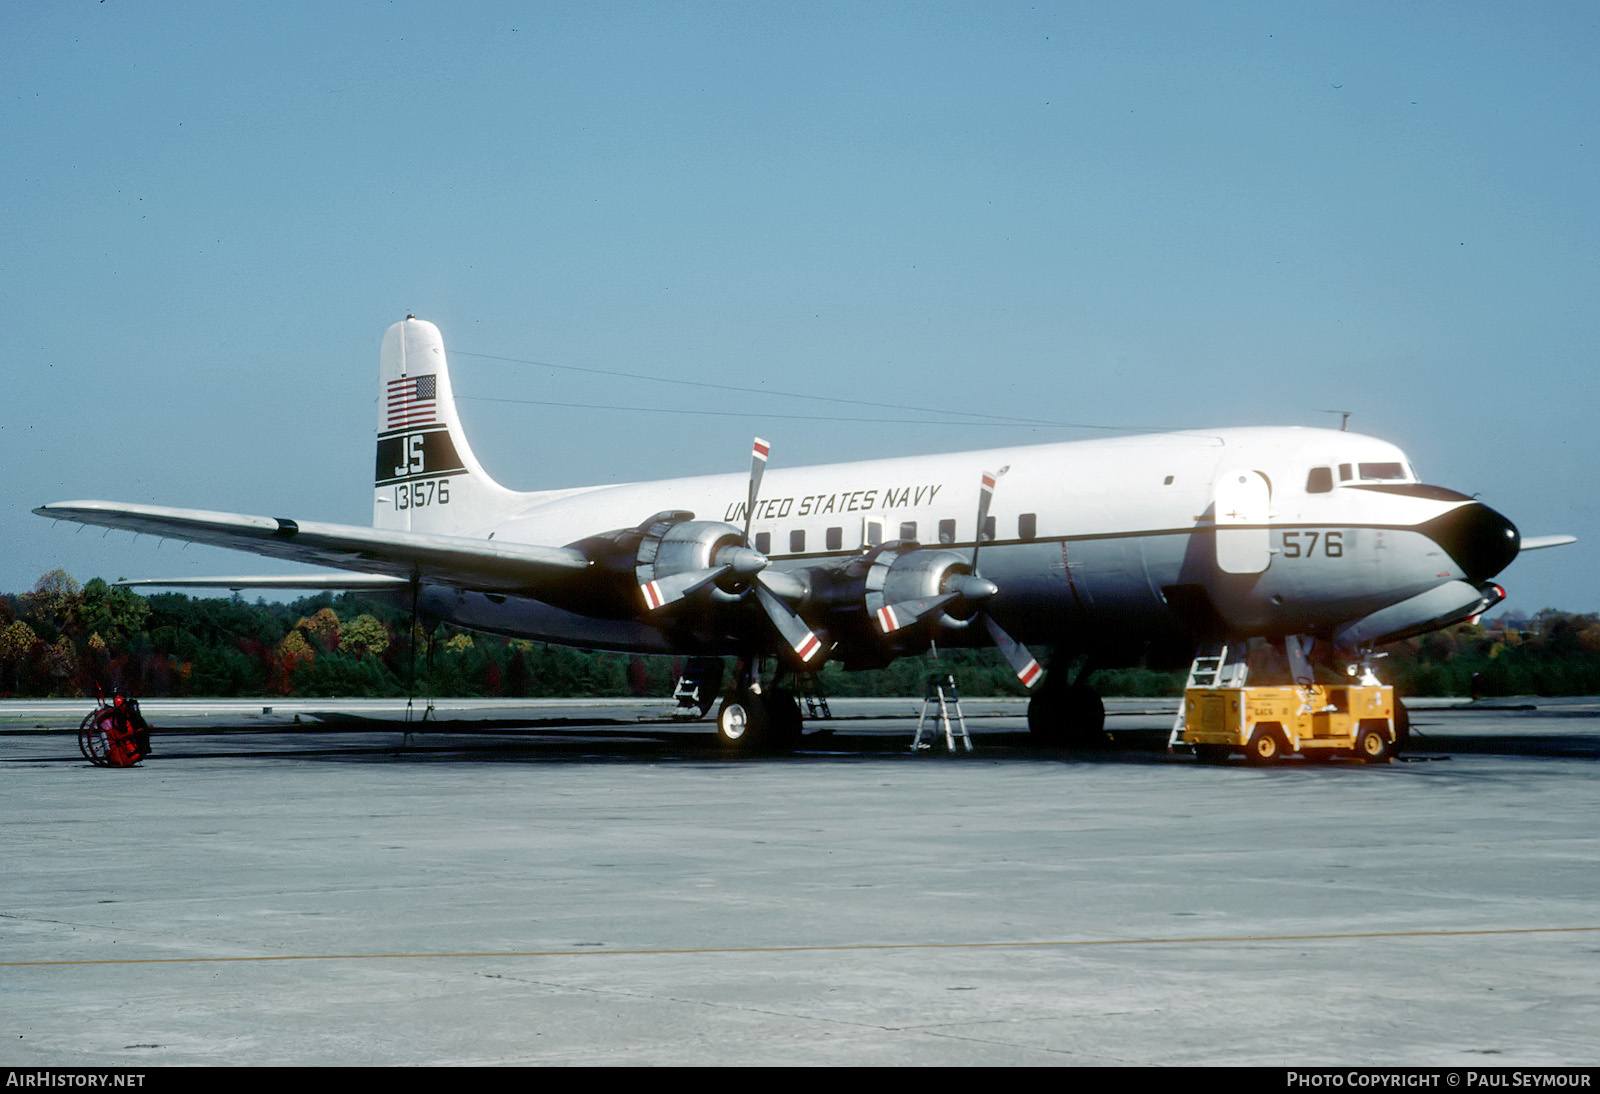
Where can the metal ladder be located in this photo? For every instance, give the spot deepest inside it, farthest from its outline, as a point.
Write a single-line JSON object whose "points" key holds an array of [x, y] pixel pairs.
{"points": [[942, 690], [1215, 665], [808, 686]]}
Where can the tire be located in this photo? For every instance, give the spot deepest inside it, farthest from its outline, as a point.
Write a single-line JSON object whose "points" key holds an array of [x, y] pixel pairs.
{"points": [[1372, 746], [1266, 746], [1072, 716], [742, 723], [1402, 729], [784, 723]]}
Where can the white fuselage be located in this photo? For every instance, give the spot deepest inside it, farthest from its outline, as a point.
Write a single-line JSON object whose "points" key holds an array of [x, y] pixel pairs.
{"points": [[1089, 538]]}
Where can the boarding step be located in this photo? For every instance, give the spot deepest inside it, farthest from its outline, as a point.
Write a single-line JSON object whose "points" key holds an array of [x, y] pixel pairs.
{"points": [[1215, 665], [808, 688]]}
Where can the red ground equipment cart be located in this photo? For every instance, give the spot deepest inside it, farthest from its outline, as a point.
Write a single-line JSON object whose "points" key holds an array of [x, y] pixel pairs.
{"points": [[115, 734]]}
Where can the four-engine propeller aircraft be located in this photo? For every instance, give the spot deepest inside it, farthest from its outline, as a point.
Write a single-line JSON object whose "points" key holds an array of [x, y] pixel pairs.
{"points": [[1102, 549]]}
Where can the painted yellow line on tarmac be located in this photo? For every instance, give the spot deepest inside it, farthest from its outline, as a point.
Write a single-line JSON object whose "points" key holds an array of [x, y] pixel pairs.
{"points": [[843, 948]]}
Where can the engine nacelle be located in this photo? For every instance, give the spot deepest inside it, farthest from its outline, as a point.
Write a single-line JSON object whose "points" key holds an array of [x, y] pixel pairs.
{"points": [[905, 574], [672, 546]]}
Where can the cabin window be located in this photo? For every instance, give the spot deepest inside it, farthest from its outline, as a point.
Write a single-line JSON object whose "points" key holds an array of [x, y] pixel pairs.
{"points": [[874, 533], [797, 540], [1167, 481], [947, 531], [1383, 472], [835, 538], [988, 529], [1344, 472], [764, 542], [1320, 481], [1028, 526], [908, 530]]}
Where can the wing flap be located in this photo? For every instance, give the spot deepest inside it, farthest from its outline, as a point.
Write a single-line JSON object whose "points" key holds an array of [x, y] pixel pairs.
{"points": [[480, 565]]}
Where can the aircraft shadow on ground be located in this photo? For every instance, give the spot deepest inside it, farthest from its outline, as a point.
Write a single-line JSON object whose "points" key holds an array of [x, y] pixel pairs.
{"points": [[343, 737]]}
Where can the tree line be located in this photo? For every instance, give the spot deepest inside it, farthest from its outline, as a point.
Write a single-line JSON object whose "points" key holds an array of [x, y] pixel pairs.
{"points": [[66, 639]]}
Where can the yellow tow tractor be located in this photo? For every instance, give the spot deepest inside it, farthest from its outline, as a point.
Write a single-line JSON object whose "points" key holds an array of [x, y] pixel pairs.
{"points": [[1318, 721]]}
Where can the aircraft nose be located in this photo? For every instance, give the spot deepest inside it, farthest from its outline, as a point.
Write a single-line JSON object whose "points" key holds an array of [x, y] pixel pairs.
{"points": [[1481, 541]]}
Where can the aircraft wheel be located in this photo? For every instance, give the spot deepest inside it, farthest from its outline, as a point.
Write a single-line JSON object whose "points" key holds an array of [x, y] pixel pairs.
{"points": [[742, 722], [784, 723], [1402, 728], [1070, 716], [1372, 747], [1266, 747]]}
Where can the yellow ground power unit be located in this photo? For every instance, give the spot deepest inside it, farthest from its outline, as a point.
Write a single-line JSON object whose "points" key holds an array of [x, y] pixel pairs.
{"points": [[1269, 723]]}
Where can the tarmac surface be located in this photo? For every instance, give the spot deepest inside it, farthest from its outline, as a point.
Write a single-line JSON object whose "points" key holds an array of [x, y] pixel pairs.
{"points": [[594, 883]]}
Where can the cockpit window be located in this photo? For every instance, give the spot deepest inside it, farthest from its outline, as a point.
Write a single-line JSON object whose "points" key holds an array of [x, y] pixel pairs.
{"points": [[1345, 472], [1320, 481], [1383, 472]]}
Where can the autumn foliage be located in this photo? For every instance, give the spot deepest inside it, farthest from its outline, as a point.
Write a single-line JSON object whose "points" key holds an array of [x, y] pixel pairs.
{"points": [[62, 639]]}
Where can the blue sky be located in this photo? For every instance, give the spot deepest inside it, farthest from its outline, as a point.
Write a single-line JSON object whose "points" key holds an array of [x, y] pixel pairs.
{"points": [[1165, 214]]}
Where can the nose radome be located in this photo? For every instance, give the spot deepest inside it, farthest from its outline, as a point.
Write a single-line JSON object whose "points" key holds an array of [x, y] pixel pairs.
{"points": [[1481, 541]]}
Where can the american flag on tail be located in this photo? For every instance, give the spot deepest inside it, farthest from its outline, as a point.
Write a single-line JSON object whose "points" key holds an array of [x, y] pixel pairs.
{"points": [[411, 400]]}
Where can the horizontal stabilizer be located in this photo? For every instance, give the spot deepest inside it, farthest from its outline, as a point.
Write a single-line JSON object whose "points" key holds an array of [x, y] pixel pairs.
{"points": [[1534, 543], [481, 565]]}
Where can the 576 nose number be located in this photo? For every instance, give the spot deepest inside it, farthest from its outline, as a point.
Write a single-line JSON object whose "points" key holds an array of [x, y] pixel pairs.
{"points": [[1304, 544]]}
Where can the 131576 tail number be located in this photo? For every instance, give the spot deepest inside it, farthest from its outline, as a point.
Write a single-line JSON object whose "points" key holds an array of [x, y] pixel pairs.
{"points": [[419, 495]]}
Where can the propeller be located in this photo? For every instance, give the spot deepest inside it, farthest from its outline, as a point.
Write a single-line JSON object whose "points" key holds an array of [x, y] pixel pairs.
{"points": [[731, 555], [772, 586], [971, 588]]}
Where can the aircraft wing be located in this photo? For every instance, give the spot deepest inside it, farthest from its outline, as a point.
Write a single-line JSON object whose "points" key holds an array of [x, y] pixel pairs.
{"points": [[481, 565], [331, 583]]}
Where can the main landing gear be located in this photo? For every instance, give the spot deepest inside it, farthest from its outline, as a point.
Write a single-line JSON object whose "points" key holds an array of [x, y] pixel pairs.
{"points": [[759, 718], [1067, 715]]}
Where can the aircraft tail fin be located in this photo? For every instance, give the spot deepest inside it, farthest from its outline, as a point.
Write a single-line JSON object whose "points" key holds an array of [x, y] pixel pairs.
{"points": [[427, 479]]}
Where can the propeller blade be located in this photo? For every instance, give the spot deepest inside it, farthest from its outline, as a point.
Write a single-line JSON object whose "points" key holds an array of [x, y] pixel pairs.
{"points": [[674, 587], [1015, 653], [985, 496], [784, 584], [897, 617], [794, 630], [758, 465]]}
